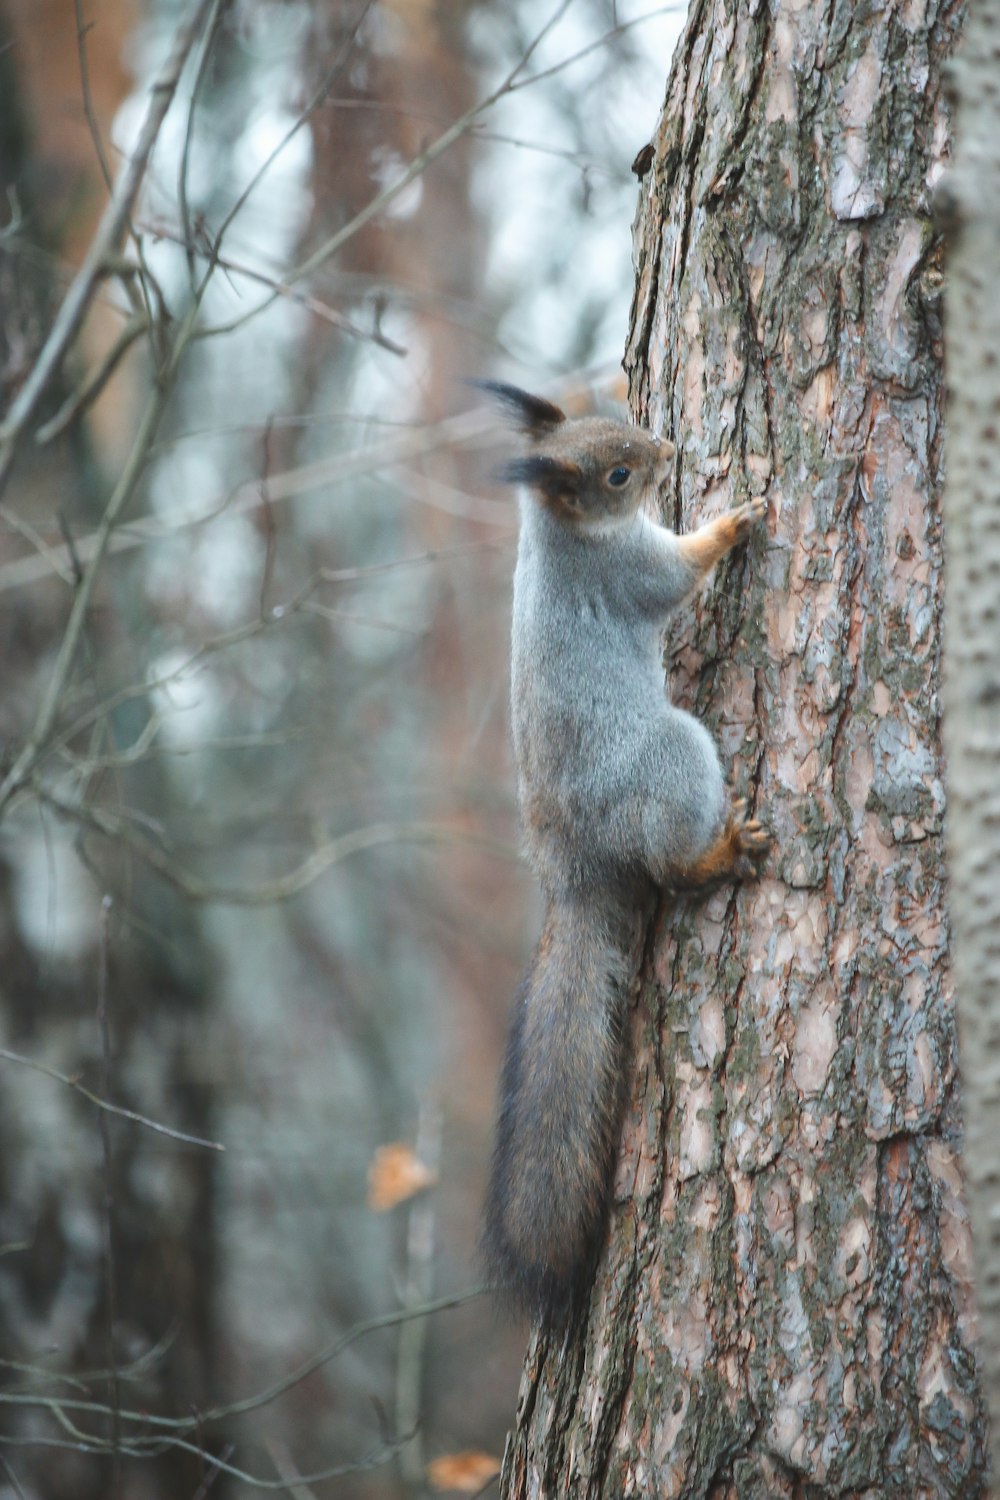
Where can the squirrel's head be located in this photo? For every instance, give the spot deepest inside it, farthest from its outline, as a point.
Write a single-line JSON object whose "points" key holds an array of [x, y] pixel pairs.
{"points": [[585, 469]]}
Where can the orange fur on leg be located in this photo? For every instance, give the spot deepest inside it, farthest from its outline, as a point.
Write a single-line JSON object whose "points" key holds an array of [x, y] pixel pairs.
{"points": [[736, 854], [703, 548]]}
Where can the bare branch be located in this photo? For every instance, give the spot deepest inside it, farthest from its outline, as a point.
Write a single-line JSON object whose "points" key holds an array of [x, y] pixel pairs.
{"points": [[54, 559], [167, 1426], [110, 1268], [418, 1285], [16, 222], [145, 748], [105, 1104], [339, 62], [182, 174], [595, 46], [281, 288], [416, 168], [80, 400], [113, 224], [82, 27], [483, 133], [85, 1443], [279, 615], [532, 48], [373, 836], [48, 707], [213, 1471], [282, 1460], [285, 485], [14, 1481], [138, 750], [270, 527]]}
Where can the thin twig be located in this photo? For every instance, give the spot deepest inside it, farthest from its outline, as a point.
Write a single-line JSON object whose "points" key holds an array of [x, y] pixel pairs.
{"points": [[48, 707], [267, 515], [533, 46], [145, 748], [113, 224], [416, 168], [281, 288], [105, 1104], [278, 616], [110, 1279], [90, 764], [56, 559], [483, 133], [138, 1369], [283, 887], [159, 321], [288, 484], [349, 617], [305, 114], [24, 764], [69, 542], [601, 41], [91, 387], [182, 175], [167, 1426], [338, 1345], [287, 1470], [82, 27], [417, 1288], [81, 1443], [214, 1470], [15, 1482], [14, 1247], [15, 223]]}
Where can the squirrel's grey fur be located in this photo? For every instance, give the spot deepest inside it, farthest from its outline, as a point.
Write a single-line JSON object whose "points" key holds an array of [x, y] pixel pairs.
{"points": [[619, 792]]}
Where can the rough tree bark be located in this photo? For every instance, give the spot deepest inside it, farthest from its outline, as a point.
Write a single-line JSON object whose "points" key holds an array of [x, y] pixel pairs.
{"points": [[785, 1305], [971, 204]]}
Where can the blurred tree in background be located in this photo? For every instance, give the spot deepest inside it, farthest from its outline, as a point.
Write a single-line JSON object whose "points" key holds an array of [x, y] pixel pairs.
{"points": [[257, 848]]}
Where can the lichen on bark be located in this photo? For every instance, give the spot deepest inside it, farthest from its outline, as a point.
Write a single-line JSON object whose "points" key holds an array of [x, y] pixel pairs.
{"points": [[785, 1305]]}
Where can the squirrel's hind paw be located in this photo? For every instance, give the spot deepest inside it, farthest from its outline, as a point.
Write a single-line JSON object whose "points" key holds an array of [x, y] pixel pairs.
{"points": [[736, 854], [749, 840]]}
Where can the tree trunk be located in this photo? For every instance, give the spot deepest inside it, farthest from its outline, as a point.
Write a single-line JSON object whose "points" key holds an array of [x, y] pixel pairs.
{"points": [[785, 1304], [972, 683]]}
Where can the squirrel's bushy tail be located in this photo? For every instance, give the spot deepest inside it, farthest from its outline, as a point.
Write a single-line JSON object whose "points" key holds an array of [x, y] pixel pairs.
{"points": [[561, 1098]]}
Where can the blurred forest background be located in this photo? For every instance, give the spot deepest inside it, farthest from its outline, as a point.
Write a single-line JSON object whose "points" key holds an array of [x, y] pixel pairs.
{"points": [[259, 880]]}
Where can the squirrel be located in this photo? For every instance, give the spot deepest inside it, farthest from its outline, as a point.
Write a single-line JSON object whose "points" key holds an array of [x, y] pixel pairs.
{"points": [[620, 793]]}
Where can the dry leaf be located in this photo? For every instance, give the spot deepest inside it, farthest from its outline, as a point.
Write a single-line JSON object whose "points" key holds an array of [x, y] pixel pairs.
{"points": [[466, 1471], [395, 1174]]}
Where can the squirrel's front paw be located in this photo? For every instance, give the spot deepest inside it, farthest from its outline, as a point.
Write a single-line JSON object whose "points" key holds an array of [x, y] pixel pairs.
{"points": [[746, 517], [750, 842]]}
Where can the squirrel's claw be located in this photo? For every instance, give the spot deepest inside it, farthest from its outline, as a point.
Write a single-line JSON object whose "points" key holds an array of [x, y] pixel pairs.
{"points": [[754, 838], [751, 841], [747, 516]]}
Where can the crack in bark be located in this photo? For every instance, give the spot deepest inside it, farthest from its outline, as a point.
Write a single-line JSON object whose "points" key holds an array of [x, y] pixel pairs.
{"points": [[735, 140], [689, 150]]}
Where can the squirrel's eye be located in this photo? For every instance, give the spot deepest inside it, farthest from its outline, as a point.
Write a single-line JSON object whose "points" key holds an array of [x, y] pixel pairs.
{"points": [[619, 476]]}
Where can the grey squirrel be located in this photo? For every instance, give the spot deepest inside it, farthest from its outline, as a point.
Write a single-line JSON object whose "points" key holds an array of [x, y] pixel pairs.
{"points": [[620, 792]]}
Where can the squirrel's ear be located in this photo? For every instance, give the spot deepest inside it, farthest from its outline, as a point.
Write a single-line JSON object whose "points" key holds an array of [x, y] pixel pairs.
{"points": [[533, 414], [557, 480]]}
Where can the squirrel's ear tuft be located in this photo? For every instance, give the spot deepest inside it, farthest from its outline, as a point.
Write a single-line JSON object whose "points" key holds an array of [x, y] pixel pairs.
{"points": [[533, 414], [556, 480]]}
